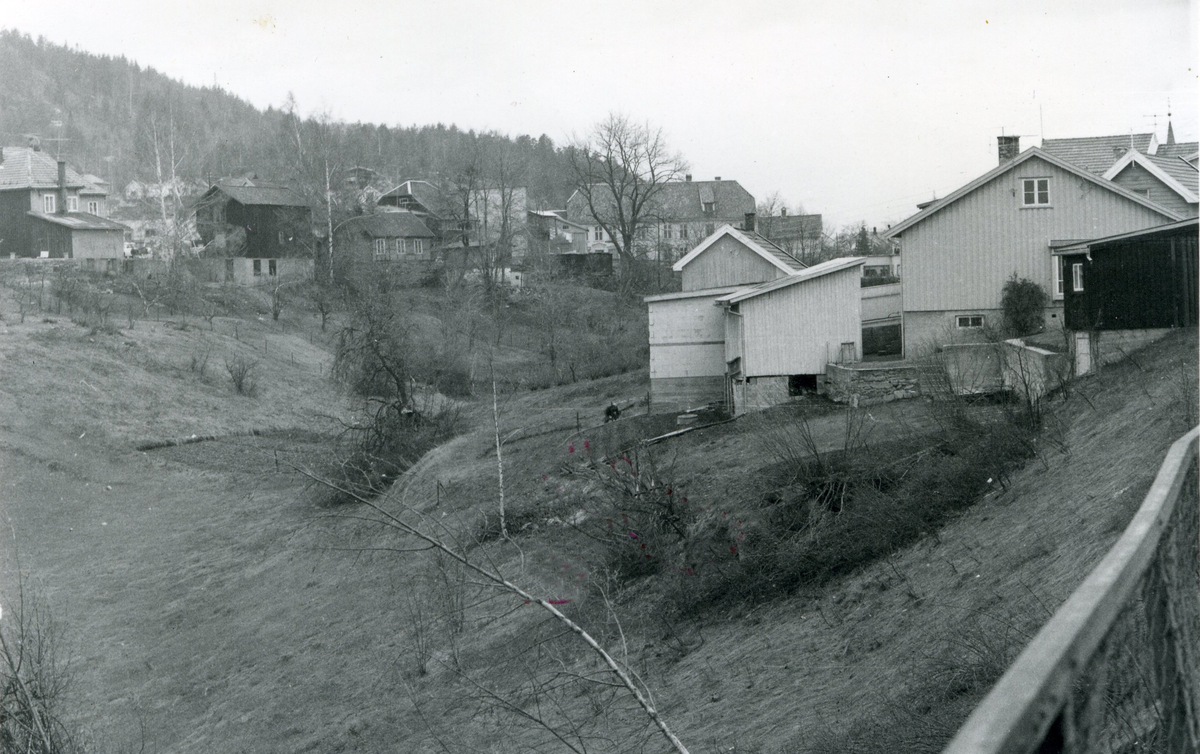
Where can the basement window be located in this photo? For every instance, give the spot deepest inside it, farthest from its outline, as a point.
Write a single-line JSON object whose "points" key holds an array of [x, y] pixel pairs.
{"points": [[969, 321], [799, 384]]}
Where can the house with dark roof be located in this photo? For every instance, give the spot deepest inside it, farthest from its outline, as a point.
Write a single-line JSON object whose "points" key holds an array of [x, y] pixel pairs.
{"points": [[800, 235], [248, 217], [960, 250], [383, 239], [1167, 173], [679, 216], [47, 209]]}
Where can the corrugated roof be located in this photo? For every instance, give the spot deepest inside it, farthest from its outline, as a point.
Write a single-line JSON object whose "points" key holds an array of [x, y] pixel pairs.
{"points": [[816, 271], [389, 225], [80, 221], [1096, 154], [24, 168]]}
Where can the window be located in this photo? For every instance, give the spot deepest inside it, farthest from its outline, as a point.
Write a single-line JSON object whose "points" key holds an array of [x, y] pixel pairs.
{"points": [[380, 249], [683, 231], [972, 321], [666, 231], [282, 238], [1057, 264], [709, 229], [72, 204], [1077, 277], [419, 246], [94, 207], [271, 267], [49, 204], [257, 268], [710, 208], [597, 233], [1035, 192]]}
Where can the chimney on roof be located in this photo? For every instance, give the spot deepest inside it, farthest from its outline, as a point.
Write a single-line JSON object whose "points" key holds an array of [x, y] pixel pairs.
{"points": [[783, 211], [1008, 147], [62, 188], [748, 224], [688, 178], [717, 178]]}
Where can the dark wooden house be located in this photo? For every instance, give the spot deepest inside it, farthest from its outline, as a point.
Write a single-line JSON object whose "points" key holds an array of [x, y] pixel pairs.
{"points": [[1139, 280], [247, 217]]}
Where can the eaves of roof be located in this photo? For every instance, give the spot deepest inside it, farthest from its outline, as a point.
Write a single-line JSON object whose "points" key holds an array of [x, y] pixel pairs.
{"points": [[79, 221], [999, 170], [812, 273], [1080, 246], [1150, 165], [701, 293], [776, 256]]}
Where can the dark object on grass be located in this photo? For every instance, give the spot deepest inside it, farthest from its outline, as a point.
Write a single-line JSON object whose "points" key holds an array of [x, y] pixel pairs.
{"points": [[612, 413]]}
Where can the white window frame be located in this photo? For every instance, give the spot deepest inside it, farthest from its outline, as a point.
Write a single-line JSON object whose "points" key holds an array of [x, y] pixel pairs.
{"points": [[380, 249], [959, 319], [49, 204], [1077, 277], [72, 204], [1037, 191], [93, 207], [598, 233], [1057, 278]]}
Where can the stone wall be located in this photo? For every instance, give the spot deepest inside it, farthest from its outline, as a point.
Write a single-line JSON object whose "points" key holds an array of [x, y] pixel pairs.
{"points": [[868, 384]]}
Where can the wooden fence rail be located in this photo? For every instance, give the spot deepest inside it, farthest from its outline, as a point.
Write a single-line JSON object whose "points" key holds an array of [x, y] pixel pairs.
{"points": [[1117, 667]]}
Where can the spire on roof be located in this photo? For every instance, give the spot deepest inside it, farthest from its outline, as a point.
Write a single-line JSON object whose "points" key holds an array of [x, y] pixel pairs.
{"points": [[1170, 133]]}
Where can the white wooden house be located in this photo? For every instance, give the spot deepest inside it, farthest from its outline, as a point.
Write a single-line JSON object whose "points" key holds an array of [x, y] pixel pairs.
{"points": [[960, 250]]}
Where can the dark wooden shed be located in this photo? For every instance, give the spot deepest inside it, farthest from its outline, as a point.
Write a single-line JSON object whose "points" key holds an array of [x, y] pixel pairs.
{"points": [[1144, 279]]}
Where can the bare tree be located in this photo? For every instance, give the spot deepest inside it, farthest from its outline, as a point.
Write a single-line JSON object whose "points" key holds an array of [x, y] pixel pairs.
{"points": [[620, 169]]}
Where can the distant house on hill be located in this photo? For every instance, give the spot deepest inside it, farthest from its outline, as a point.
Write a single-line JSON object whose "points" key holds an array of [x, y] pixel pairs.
{"points": [[799, 235], [382, 239], [49, 210], [681, 215], [247, 217]]}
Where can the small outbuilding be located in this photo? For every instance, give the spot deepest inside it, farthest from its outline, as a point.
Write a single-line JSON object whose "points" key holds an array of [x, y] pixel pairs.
{"points": [[780, 335]]}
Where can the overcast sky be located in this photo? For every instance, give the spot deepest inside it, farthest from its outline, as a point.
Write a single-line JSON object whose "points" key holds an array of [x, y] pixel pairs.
{"points": [[854, 109]]}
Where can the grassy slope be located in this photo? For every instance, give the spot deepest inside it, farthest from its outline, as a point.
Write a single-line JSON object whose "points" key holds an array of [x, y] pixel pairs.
{"points": [[207, 594]]}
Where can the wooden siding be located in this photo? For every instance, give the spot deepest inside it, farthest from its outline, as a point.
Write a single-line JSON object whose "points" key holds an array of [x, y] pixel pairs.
{"points": [[960, 257], [686, 338], [727, 262], [1140, 284], [800, 328], [16, 232], [1140, 181]]}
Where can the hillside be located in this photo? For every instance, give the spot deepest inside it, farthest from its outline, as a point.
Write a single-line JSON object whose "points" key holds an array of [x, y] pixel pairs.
{"points": [[109, 109], [213, 596]]}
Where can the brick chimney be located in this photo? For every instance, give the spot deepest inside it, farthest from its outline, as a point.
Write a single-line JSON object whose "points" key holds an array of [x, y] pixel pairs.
{"points": [[62, 188], [783, 211], [748, 224], [688, 178], [717, 178], [1008, 147]]}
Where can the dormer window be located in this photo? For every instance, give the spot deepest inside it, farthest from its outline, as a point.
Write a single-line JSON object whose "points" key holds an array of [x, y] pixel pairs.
{"points": [[1035, 192], [49, 204], [72, 204], [710, 208]]}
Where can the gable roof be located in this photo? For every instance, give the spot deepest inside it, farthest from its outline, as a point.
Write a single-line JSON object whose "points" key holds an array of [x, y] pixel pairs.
{"points": [[389, 225], [25, 168], [252, 192], [756, 243], [1096, 154], [812, 273], [1179, 176], [999, 170]]}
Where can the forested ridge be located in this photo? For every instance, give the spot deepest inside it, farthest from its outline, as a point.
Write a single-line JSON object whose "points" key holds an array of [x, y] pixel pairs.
{"points": [[109, 112]]}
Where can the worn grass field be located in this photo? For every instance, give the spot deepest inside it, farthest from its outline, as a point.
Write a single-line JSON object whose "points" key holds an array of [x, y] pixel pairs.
{"points": [[213, 601]]}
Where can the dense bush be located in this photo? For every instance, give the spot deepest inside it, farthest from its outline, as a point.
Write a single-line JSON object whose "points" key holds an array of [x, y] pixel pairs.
{"points": [[1022, 302]]}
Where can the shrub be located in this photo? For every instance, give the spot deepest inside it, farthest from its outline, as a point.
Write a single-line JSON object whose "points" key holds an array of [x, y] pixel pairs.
{"points": [[241, 374], [1022, 302]]}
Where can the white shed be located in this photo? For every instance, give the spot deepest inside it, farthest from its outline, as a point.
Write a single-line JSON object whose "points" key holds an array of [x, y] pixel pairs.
{"points": [[780, 335]]}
